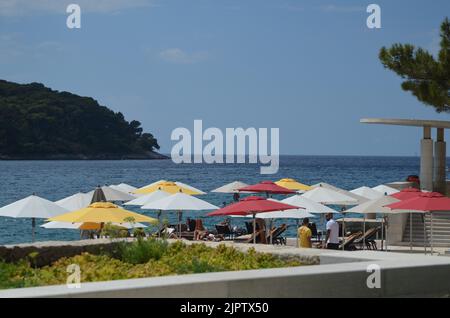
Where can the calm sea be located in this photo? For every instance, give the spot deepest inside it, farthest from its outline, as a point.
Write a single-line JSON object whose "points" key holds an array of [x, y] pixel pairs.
{"points": [[57, 179]]}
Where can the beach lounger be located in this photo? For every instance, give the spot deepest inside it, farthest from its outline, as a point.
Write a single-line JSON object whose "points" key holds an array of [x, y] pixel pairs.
{"points": [[316, 236], [260, 224], [368, 238], [276, 235], [349, 242], [248, 238], [225, 230]]}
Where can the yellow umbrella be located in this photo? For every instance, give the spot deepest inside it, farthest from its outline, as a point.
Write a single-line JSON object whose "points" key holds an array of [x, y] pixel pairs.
{"points": [[293, 184], [102, 212], [90, 226], [167, 186]]}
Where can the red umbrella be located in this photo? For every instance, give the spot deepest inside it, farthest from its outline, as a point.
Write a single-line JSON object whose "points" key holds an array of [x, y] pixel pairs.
{"points": [[426, 202], [252, 205], [406, 194], [266, 187]]}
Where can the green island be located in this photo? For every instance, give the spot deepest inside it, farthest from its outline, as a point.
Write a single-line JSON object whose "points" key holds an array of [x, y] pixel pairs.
{"points": [[37, 122], [140, 259]]}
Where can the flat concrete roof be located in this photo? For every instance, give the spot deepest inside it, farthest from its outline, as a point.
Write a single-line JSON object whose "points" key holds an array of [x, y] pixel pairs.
{"points": [[407, 122]]}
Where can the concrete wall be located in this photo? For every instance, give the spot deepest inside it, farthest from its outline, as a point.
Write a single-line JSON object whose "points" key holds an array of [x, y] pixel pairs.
{"points": [[397, 223], [396, 227], [49, 252]]}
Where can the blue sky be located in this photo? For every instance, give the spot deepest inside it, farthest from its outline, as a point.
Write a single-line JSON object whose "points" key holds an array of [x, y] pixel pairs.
{"points": [[307, 67]]}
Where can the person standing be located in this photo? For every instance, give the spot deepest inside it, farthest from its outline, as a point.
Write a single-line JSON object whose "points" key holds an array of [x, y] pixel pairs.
{"points": [[332, 237], [304, 234]]}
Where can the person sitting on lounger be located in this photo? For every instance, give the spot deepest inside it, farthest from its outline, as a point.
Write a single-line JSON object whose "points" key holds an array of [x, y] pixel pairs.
{"points": [[200, 232], [304, 234]]}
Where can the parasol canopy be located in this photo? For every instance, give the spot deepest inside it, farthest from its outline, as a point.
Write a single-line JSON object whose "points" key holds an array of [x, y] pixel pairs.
{"points": [[252, 205], [148, 198], [293, 184], [406, 193], [102, 212], [266, 187], [232, 187]]}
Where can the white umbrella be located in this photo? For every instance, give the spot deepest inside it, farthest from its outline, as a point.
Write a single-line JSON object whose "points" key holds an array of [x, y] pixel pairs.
{"points": [[230, 187], [114, 195], [374, 206], [308, 205], [75, 202], [329, 196], [285, 214], [32, 207], [359, 199], [180, 184], [180, 202], [385, 189], [123, 187], [367, 192], [148, 198], [75, 226]]}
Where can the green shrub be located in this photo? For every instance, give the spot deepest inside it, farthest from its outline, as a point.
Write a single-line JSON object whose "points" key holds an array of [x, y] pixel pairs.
{"points": [[114, 231], [141, 251], [142, 258], [139, 233]]}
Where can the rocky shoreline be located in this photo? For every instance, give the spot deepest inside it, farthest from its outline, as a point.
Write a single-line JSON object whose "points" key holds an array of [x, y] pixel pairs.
{"points": [[143, 156]]}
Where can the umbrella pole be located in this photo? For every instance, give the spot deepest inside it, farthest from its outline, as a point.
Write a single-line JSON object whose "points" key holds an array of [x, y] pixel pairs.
{"points": [[410, 231], [254, 228], [343, 231], [33, 228], [382, 231], [424, 235], [364, 235], [159, 224], [431, 214], [296, 230], [386, 235], [270, 230], [179, 225]]}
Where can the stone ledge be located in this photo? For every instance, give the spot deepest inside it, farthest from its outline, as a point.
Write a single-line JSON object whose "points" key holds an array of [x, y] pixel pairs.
{"points": [[49, 252]]}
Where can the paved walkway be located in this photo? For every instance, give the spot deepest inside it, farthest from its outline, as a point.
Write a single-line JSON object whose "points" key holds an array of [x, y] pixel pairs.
{"points": [[292, 241]]}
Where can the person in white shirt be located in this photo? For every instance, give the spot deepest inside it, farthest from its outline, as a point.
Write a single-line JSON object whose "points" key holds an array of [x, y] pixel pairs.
{"points": [[332, 238]]}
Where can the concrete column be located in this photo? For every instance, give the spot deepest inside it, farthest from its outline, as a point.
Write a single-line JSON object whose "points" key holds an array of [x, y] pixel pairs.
{"points": [[439, 184], [426, 160]]}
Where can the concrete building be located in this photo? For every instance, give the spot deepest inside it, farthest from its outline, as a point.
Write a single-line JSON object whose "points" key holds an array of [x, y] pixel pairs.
{"points": [[432, 164], [432, 178]]}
